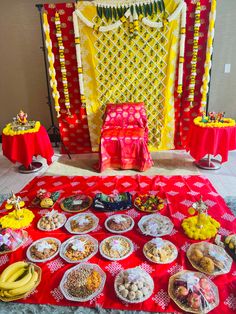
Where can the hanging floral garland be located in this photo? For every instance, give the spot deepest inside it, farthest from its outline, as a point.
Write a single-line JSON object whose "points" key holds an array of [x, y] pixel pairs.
{"points": [[52, 71], [181, 50], [209, 50], [62, 62], [197, 24]]}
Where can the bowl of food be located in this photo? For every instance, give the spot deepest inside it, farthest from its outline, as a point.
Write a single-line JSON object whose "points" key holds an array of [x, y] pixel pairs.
{"points": [[82, 282], [51, 221], [149, 203], [193, 292], [76, 203], [82, 223], [209, 258], [119, 223], [116, 248], [155, 225], [43, 250], [133, 285], [160, 251], [79, 248]]}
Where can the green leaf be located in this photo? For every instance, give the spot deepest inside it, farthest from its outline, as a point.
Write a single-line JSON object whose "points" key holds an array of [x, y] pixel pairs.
{"points": [[145, 12], [155, 7], [132, 9], [99, 12], [115, 13], [141, 11], [163, 5], [110, 12], [120, 12], [137, 9], [159, 5]]}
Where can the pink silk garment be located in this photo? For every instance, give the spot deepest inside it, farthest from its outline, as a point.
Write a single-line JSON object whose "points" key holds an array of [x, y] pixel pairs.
{"points": [[124, 138]]}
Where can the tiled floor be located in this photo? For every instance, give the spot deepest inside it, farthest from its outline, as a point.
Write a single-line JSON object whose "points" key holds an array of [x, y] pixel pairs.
{"points": [[224, 179]]}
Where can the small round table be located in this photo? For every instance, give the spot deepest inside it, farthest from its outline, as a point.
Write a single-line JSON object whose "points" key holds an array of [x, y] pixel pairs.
{"points": [[210, 141], [22, 148]]}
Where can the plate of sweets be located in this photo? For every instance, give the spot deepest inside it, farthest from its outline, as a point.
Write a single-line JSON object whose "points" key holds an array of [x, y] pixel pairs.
{"points": [[160, 251], [119, 223], [76, 203], [11, 240], [149, 203], [82, 223], [43, 250], [209, 258], [193, 292], [116, 248], [79, 248], [45, 199], [51, 221], [133, 285], [83, 282], [155, 225]]}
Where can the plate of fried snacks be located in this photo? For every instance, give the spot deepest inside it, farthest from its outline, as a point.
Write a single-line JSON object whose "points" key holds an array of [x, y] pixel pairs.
{"points": [[119, 223], [155, 225], [43, 250], [79, 248], [149, 203], [160, 251], [18, 280], [51, 221], [209, 258], [83, 282], [134, 285], [193, 292], [116, 248], [82, 223]]}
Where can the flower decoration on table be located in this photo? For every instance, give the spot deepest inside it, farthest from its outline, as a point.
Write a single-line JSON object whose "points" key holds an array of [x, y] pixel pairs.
{"points": [[149, 203], [201, 226], [20, 217], [214, 119], [20, 125], [11, 240], [45, 199]]}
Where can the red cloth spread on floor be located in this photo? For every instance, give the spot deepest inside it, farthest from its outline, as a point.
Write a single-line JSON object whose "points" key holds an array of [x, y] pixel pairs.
{"points": [[179, 193], [21, 148], [211, 140], [124, 138]]}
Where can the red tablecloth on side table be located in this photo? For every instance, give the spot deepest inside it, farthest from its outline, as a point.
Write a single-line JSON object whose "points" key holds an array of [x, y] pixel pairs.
{"points": [[22, 148], [211, 140]]}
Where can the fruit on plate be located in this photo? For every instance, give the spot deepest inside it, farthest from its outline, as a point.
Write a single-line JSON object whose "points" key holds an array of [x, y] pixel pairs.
{"points": [[18, 279], [149, 203], [45, 199]]}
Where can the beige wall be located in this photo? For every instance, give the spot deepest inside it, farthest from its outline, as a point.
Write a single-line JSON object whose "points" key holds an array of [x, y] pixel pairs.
{"points": [[223, 86], [22, 79]]}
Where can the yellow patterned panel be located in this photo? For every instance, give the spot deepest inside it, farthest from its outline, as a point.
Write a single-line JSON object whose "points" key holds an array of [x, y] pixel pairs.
{"points": [[120, 67]]}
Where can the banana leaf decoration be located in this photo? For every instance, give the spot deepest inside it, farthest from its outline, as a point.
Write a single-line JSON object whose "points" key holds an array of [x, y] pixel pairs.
{"points": [[120, 12], [114, 13], [99, 12], [155, 7], [132, 9]]}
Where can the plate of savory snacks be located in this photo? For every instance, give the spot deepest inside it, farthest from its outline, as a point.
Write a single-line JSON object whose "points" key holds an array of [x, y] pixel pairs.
{"points": [[51, 221], [43, 250], [193, 292], [82, 223], [209, 258], [76, 203], [45, 199], [119, 223], [79, 248], [149, 203], [155, 225], [120, 201], [11, 240], [116, 248], [83, 282], [160, 251], [133, 285], [19, 279]]}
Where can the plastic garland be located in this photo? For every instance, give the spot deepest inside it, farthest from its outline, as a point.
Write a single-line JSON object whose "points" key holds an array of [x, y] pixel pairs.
{"points": [[226, 122], [62, 62], [208, 63], [197, 24], [181, 50], [52, 72], [9, 131]]}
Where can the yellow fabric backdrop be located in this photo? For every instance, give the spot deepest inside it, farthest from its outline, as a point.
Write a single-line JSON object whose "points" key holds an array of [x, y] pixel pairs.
{"points": [[119, 67]]}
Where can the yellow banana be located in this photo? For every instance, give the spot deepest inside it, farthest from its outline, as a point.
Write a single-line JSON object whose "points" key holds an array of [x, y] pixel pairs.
{"points": [[18, 283], [26, 288], [11, 269], [17, 274]]}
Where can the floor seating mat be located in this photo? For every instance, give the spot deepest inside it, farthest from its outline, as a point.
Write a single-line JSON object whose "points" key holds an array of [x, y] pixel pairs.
{"points": [[178, 192]]}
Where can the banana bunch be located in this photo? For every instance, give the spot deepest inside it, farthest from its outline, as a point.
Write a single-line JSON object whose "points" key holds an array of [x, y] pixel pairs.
{"points": [[17, 279]]}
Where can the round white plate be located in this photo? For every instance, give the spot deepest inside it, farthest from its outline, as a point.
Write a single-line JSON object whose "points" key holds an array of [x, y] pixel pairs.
{"points": [[77, 217], [166, 242], [61, 225], [163, 220], [119, 231], [116, 258]]}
